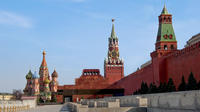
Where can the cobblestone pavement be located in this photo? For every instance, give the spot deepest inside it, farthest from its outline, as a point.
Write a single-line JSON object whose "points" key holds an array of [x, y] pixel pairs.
{"points": [[49, 108]]}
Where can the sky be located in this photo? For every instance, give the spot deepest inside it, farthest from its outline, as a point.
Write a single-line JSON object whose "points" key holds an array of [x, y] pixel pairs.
{"points": [[74, 34]]}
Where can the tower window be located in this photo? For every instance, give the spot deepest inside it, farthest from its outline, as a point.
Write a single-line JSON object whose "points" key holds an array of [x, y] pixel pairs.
{"points": [[165, 47], [172, 46]]}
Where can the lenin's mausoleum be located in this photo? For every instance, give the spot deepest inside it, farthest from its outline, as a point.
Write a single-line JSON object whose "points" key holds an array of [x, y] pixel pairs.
{"points": [[166, 62]]}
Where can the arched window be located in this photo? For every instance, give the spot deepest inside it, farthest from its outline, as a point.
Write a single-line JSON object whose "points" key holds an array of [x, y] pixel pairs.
{"points": [[165, 47], [172, 47]]}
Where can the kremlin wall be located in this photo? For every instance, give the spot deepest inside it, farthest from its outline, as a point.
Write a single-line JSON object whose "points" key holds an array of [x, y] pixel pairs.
{"points": [[166, 62]]}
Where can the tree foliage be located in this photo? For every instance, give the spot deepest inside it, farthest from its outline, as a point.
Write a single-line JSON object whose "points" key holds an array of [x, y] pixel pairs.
{"points": [[17, 94], [183, 85], [170, 85], [192, 83]]}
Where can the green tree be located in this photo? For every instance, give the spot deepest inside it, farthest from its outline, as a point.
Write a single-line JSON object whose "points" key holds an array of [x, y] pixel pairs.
{"points": [[162, 88], [153, 88], [144, 88], [198, 85], [192, 83], [182, 86], [170, 85]]}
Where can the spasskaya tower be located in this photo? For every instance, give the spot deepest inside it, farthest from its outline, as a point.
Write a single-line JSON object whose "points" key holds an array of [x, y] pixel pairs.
{"points": [[113, 65]]}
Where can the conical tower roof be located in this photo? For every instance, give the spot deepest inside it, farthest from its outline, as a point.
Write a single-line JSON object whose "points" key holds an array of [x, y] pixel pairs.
{"points": [[44, 63], [113, 34], [164, 11]]}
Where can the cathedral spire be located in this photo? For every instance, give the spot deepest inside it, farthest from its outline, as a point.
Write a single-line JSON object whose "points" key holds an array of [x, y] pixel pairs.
{"points": [[113, 34], [44, 73], [44, 63]]}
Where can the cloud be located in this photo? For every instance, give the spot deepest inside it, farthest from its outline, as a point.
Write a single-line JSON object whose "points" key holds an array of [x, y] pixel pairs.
{"points": [[10, 18]]}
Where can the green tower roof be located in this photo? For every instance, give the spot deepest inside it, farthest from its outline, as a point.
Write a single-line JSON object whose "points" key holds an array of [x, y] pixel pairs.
{"points": [[113, 34], [164, 11], [166, 33], [166, 30]]}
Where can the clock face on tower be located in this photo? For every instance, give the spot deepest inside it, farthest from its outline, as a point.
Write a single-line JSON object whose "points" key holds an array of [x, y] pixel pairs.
{"points": [[114, 54]]}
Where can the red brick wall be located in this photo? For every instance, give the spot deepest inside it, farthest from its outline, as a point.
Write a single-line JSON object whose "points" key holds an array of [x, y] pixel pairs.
{"points": [[165, 65], [184, 62], [114, 73], [133, 81], [59, 98]]}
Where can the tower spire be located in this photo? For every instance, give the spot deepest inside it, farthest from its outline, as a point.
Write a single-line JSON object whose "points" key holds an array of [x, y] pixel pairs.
{"points": [[164, 11], [44, 63], [166, 38], [113, 34]]}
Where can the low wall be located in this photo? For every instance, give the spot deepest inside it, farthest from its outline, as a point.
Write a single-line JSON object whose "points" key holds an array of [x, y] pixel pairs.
{"points": [[18, 104], [84, 108], [187, 100]]}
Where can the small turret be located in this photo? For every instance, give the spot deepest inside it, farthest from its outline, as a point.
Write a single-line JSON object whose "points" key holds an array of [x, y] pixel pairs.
{"points": [[29, 75], [35, 84], [54, 82], [166, 38]]}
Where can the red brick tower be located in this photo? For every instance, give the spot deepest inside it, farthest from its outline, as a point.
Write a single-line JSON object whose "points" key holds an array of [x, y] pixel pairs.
{"points": [[44, 72], [166, 43], [113, 65]]}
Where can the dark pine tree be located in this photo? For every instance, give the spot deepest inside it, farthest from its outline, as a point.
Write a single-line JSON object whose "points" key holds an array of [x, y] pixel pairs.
{"points": [[198, 85], [162, 88], [192, 83], [144, 88], [170, 85], [182, 86], [153, 88]]}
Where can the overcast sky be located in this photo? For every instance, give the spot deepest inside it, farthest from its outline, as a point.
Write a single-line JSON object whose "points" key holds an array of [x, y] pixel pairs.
{"points": [[74, 34]]}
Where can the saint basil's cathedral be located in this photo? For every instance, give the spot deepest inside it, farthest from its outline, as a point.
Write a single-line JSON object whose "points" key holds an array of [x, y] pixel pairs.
{"points": [[166, 62], [42, 83]]}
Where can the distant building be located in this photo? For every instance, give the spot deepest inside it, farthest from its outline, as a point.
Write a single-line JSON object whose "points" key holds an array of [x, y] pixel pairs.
{"points": [[6, 96], [193, 40]]}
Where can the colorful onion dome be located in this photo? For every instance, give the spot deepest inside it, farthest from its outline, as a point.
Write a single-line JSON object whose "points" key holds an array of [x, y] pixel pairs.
{"points": [[29, 75], [35, 75], [54, 74], [46, 81]]}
